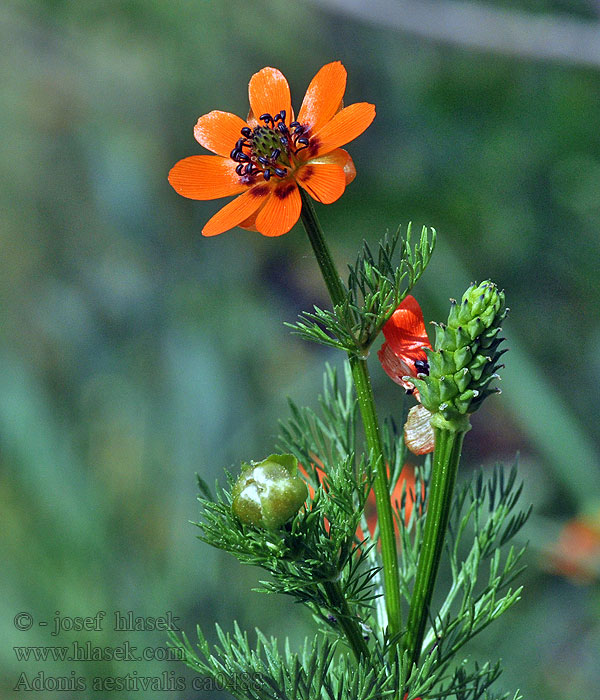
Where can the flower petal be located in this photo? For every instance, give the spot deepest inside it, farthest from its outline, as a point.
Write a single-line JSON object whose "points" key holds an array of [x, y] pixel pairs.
{"points": [[405, 330], [338, 157], [396, 367], [324, 182], [237, 211], [269, 93], [348, 164], [219, 131], [323, 97], [406, 337], [345, 126], [281, 210], [205, 177], [249, 224]]}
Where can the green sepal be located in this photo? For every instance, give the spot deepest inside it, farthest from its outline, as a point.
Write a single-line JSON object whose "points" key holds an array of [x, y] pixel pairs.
{"points": [[457, 424], [448, 388], [476, 327], [478, 365], [463, 378], [440, 363], [462, 356]]}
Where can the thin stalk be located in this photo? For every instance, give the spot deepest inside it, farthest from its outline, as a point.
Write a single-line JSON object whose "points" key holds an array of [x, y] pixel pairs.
{"points": [[448, 445], [366, 402], [352, 631], [321, 250]]}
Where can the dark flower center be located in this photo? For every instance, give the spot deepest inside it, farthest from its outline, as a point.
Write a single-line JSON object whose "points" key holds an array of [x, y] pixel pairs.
{"points": [[270, 149]]}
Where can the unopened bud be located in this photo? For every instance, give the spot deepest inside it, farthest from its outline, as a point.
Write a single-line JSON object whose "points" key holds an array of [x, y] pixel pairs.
{"points": [[268, 493]]}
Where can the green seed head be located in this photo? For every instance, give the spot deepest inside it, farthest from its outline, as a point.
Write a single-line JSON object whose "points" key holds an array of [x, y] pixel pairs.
{"points": [[268, 493], [265, 141], [465, 358]]}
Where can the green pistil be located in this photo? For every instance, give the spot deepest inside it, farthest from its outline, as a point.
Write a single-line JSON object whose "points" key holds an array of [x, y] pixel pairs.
{"points": [[265, 142], [269, 149]]}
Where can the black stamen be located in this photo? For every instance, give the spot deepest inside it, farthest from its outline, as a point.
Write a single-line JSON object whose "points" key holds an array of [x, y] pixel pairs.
{"points": [[239, 168], [422, 366], [294, 124], [275, 153], [263, 161], [267, 174], [247, 131], [282, 172], [303, 140], [282, 115]]}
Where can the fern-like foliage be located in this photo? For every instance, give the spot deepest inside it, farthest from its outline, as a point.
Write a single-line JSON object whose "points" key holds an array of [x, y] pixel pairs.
{"points": [[265, 673], [320, 557], [318, 547], [376, 286], [483, 515], [327, 559]]}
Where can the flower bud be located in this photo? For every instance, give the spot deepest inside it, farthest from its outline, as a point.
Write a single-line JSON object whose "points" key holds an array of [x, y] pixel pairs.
{"points": [[466, 354], [268, 493]]}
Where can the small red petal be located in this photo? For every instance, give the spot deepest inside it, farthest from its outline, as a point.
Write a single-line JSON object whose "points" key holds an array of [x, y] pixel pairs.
{"points": [[406, 337], [405, 329], [396, 367]]}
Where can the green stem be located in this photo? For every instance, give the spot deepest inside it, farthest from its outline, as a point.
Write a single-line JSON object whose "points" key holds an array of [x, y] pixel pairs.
{"points": [[448, 445], [366, 402], [352, 631], [385, 516], [321, 250]]}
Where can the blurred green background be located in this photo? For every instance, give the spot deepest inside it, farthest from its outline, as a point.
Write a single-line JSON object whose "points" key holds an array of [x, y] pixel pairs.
{"points": [[136, 353]]}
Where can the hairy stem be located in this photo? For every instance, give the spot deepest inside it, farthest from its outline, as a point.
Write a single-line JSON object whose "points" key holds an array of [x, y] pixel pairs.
{"points": [[448, 445], [366, 402]]}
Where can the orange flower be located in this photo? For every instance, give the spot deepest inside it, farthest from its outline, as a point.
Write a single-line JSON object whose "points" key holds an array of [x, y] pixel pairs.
{"points": [[266, 157], [576, 554], [405, 484], [401, 356]]}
